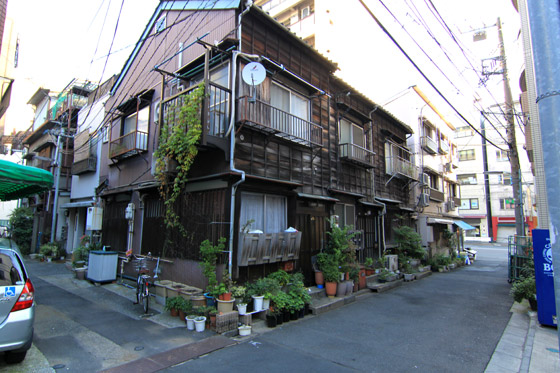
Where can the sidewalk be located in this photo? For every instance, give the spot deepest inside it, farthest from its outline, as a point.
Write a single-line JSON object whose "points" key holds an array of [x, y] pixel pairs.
{"points": [[525, 346]]}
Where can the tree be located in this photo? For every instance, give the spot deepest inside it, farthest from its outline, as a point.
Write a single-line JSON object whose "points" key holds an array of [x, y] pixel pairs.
{"points": [[21, 228]]}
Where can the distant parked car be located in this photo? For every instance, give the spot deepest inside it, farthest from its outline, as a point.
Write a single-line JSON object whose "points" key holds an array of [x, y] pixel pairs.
{"points": [[17, 305]]}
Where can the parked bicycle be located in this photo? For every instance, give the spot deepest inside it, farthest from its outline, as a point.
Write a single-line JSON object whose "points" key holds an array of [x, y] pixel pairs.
{"points": [[142, 283]]}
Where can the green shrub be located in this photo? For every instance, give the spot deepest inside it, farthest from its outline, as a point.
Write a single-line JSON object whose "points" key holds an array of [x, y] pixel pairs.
{"points": [[21, 228], [525, 288]]}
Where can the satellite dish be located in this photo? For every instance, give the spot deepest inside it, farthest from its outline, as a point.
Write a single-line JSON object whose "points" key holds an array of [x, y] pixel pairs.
{"points": [[253, 73]]}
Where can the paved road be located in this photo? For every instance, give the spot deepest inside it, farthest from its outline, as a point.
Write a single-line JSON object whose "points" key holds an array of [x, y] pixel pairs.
{"points": [[80, 327], [448, 322]]}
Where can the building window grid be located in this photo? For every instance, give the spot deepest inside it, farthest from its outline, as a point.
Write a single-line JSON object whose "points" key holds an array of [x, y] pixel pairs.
{"points": [[467, 155]]}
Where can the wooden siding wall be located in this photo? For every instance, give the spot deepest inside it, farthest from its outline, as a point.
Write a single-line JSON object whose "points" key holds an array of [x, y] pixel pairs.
{"points": [[115, 226], [203, 214]]}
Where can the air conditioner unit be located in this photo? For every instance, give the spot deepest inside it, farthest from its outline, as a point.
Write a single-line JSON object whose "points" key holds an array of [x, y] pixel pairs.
{"points": [[450, 205], [424, 199], [447, 167], [425, 179], [170, 166]]}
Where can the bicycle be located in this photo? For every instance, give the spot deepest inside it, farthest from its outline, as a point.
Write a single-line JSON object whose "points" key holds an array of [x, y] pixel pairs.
{"points": [[142, 284]]}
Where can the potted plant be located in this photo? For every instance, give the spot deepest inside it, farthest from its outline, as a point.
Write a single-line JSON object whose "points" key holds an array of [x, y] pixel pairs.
{"points": [[525, 288], [49, 250], [370, 270], [184, 307], [190, 321], [408, 272], [209, 254], [244, 330], [199, 323], [173, 304]]}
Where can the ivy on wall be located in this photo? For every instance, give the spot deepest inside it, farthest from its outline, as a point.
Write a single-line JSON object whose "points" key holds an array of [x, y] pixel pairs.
{"points": [[180, 135]]}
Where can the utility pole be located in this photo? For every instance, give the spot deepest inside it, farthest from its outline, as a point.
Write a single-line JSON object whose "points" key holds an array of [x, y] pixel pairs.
{"points": [[486, 176], [512, 143]]}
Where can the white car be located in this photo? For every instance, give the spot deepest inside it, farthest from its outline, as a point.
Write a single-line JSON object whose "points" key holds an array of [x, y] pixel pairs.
{"points": [[17, 306]]}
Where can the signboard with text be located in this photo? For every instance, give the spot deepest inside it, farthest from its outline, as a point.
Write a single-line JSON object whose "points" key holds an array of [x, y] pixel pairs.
{"points": [[544, 277]]}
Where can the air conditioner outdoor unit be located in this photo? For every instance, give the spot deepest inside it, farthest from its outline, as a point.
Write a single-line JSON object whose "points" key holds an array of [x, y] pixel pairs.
{"points": [[425, 179], [424, 199], [447, 167], [450, 205]]}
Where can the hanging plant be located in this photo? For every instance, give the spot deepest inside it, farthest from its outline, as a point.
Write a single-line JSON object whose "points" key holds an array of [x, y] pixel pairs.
{"points": [[178, 142]]}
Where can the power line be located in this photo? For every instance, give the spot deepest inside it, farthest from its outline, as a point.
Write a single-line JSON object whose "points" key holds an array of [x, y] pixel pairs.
{"points": [[421, 72]]}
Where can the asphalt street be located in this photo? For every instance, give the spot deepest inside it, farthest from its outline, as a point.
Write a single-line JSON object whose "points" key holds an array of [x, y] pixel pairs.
{"points": [[448, 322]]}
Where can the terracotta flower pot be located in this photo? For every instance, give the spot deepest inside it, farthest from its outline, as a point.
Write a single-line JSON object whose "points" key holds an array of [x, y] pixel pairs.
{"points": [[330, 288], [225, 296], [319, 278]]}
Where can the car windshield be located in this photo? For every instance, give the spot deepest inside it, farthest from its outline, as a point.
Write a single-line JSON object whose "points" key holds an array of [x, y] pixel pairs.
{"points": [[11, 272]]}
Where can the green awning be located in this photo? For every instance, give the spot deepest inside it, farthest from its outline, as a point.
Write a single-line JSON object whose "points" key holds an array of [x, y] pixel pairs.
{"points": [[17, 181]]}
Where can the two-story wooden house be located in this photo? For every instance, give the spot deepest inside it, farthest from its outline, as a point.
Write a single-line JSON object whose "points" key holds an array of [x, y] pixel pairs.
{"points": [[285, 147]]}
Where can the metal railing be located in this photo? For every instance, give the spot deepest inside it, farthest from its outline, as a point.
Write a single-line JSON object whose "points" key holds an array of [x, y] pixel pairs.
{"points": [[356, 153], [132, 143], [273, 120], [398, 165]]}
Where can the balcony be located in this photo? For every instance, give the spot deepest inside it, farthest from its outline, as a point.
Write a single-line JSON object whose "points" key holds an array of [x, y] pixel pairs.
{"points": [[131, 144], [86, 165], [429, 145], [401, 167], [305, 27], [356, 154], [215, 123], [436, 195], [443, 147], [268, 119]]}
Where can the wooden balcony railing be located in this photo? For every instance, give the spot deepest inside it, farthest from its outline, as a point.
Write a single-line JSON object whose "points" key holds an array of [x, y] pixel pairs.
{"points": [[267, 248], [267, 118], [128, 145], [356, 154]]}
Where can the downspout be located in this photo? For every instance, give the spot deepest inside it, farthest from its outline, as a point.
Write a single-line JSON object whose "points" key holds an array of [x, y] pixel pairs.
{"points": [[383, 212], [231, 133]]}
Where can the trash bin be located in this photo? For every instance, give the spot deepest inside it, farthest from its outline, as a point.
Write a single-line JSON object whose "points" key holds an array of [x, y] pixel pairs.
{"points": [[102, 266]]}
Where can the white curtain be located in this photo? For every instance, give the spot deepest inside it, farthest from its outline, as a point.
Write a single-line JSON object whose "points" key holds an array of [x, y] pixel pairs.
{"points": [[267, 211]]}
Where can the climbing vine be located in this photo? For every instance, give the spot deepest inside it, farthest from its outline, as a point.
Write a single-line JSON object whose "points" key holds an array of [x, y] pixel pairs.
{"points": [[178, 142]]}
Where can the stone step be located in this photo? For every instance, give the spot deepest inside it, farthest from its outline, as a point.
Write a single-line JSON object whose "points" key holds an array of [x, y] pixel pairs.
{"points": [[381, 287], [421, 275], [317, 293], [320, 305]]}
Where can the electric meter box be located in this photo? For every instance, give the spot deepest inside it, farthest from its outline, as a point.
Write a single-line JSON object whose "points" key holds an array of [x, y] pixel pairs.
{"points": [[94, 219]]}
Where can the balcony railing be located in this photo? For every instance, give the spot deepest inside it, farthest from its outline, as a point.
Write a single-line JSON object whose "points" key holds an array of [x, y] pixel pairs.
{"points": [[436, 195], [356, 154], [400, 166], [128, 145], [269, 119], [218, 109], [443, 147], [268, 248], [86, 165], [429, 145]]}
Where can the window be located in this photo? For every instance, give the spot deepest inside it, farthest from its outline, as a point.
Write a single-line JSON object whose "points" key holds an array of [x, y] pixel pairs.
{"points": [[268, 212], [467, 179], [464, 132], [131, 125], [434, 181], [305, 12], [429, 132], [346, 214], [453, 190], [466, 155], [290, 103], [469, 204], [219, 100], [504, 179], [502, 155], [507, 204], [351, 134]]}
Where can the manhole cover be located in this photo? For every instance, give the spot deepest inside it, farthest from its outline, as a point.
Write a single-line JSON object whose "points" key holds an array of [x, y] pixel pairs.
{"points": [[137, 348]]}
